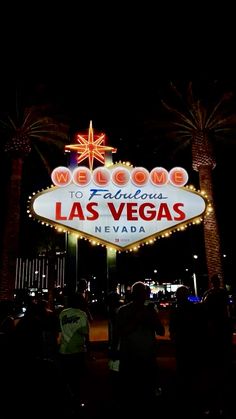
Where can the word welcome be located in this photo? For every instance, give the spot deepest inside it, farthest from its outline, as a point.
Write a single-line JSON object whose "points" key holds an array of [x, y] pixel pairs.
{"points": [[119, 176]]}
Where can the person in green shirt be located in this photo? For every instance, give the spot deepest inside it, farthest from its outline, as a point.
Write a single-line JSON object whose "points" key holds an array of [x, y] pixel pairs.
{"points": [[74, 339]]}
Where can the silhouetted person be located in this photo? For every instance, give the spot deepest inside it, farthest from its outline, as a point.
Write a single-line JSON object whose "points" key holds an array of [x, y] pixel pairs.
{"points": [[113, 303], [6, 353], [82, 290], [216, 303], [50, 330], [219, 342], [136, 328], [36, 373], [187, 333], [7, 327], [29, 333]]}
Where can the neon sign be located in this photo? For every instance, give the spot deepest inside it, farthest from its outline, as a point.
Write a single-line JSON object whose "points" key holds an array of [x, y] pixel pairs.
{"points": [[120, 176], [119, 206], [90, 147]]}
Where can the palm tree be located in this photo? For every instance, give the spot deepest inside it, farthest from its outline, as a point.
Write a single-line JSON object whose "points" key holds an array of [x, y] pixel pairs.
{"points": [[199, 125], [21, 136]]}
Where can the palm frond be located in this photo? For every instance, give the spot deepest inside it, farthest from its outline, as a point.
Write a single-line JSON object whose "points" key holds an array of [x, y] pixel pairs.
{"points": [[179, 124], [5, 125], [48, 139], [228, 120], [188, 103], [45, 162], [179, 114], [197, 118], [21, 136], [26, 119], [12, 124], [213, 115], [189, 95], [176, 91], [223, 129]]}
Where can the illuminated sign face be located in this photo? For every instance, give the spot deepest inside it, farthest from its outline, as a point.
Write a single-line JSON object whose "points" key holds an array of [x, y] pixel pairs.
{"points": [[118, 206]]}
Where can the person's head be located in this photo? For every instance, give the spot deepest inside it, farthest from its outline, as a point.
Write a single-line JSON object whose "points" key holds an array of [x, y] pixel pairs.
{"points": [[44, 304], [139, 292], [113, 281], [82, 285], [215, 281], [182, 294], [76, 300]]}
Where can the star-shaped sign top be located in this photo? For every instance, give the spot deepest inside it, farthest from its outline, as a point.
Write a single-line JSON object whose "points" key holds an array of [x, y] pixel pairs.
{"points": [[90, 146]]}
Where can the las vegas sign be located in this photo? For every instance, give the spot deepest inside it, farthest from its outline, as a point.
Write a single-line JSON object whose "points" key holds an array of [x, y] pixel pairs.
{"points": [[119, 206]]}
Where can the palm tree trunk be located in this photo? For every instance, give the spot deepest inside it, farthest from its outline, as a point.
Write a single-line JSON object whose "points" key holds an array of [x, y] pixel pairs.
{"points": [[211, 230], [11, 231]]}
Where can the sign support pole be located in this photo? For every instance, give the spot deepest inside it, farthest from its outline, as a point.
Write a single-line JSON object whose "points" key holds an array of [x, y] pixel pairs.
{"points": [[111, 253], [71, 266]]}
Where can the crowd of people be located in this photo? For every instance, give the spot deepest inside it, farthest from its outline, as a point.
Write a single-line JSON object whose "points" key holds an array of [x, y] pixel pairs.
{"points": [[44, 345]]}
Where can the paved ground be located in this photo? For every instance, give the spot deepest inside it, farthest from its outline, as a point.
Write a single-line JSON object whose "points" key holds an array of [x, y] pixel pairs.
{"points": [[102, 400], [101, 390], [99, 327], [39, 391]]}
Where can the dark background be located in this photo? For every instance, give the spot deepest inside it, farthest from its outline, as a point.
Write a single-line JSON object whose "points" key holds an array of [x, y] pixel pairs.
{"points": [[124, 112], [115, 73]]}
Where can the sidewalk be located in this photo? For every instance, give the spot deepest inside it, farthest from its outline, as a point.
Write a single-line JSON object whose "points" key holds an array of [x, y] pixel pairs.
{"points": [[99, 330], [102, 392], [101, 383]]}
